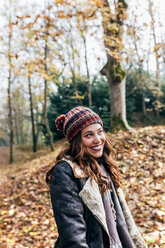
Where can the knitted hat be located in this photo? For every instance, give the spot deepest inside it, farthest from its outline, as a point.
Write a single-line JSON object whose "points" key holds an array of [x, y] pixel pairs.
{"points": [[75, 120]]}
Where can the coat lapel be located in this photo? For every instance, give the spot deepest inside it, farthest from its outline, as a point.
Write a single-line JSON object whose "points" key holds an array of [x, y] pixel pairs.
{"points": [[90, 195]]}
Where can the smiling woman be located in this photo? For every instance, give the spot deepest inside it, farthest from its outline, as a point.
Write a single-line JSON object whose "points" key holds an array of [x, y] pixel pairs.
{"points": [[88, 203], [93, 139]]}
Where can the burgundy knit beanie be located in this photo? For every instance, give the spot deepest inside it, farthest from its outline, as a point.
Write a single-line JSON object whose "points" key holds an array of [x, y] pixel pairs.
{"points": [[75, 120]]}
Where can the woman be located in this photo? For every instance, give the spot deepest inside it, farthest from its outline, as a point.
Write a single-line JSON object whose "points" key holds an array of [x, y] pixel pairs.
{"points": [[85, 186]]}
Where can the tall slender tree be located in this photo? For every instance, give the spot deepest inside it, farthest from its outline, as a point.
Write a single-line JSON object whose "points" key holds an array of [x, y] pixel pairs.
{"points": [[157, 57], [32, 114], [87, 70], [11, 131], [46, 35]]}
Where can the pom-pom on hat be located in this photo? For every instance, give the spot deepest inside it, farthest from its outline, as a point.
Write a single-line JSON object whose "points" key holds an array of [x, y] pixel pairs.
{"points": [[75, 120]]}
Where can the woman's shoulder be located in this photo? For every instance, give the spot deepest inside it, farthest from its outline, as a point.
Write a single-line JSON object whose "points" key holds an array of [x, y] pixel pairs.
{"points": [[62, 166], [67, 166], [62, 172]]}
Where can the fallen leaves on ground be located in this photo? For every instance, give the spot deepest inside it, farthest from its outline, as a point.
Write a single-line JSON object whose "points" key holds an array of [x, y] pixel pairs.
{"points": [[26, 216], [141, 157]]}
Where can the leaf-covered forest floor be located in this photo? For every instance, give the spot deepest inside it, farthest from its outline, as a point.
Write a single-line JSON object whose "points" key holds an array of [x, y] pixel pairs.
{"points": [[26, 217]]}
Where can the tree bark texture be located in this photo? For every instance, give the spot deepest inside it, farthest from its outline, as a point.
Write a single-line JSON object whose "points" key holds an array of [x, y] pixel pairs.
{"points": [[118, 96]]}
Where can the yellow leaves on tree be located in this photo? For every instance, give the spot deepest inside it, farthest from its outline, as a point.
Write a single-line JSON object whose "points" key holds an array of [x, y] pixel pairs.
{"points": [[77, 96], [158, 46]]}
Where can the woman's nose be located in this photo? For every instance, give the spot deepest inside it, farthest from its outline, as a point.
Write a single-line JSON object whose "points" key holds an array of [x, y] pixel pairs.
{"points": [[96, 139]]}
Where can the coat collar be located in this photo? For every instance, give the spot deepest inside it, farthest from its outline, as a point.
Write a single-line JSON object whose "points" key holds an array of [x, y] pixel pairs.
{"points": [[78, 172]]}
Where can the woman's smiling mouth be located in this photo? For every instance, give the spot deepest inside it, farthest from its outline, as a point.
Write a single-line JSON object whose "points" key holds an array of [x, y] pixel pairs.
{"points": [[96, 148]]}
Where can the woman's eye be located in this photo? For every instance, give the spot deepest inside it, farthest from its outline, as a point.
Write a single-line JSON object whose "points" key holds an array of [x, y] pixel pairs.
{"points": [[88, 135], [100, 131]]}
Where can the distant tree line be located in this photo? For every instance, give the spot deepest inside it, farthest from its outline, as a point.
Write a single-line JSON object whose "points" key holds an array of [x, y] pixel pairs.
{"points": [[65, 98]]}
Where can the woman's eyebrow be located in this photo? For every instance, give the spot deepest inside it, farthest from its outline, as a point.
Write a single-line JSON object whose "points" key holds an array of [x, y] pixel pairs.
{"points": [[89, 131]]}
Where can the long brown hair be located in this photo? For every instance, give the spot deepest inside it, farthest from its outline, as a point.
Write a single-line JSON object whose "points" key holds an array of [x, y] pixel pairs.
{"points": [[78, 154]]}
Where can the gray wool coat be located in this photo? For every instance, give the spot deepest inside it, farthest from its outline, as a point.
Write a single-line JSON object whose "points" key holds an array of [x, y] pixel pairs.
{"points": [[68, 178]]}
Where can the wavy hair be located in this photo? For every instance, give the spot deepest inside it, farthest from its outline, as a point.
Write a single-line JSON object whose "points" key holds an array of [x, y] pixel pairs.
{"points": [[77, 153]]}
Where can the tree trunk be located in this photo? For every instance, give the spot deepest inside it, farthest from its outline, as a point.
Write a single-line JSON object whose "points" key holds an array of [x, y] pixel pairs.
{"points": [[157, 102], [142, 90], [88, 76], [45, 99], [37, 125], [113, 70], [158, 86], [16, 129], [45, 117], [32, 116], [50, 135], [118, 102], [143, 103], [141, 81], [11, 132]]}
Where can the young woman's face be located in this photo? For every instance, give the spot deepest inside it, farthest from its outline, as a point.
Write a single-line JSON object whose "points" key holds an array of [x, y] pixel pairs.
{"points": [[93, 139]]}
